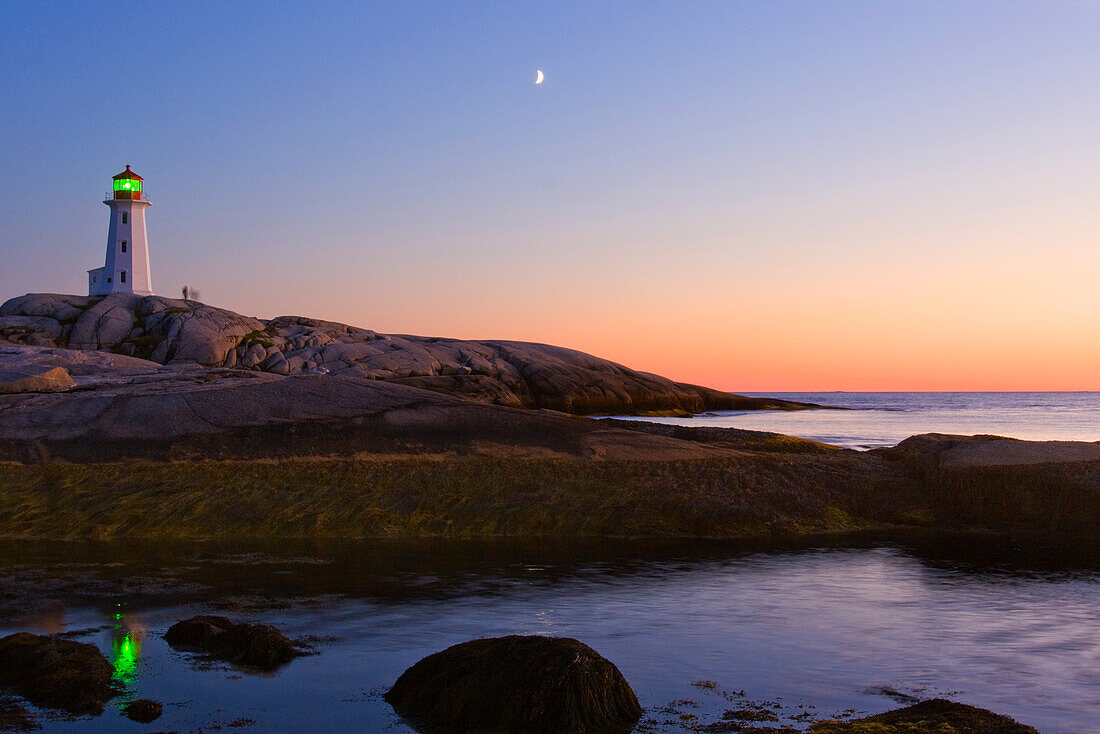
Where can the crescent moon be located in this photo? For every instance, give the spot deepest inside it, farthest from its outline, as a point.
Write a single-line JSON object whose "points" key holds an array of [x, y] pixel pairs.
{"points": [[539, 76]]}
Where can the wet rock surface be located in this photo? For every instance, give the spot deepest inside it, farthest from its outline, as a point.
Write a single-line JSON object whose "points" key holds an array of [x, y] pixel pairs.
{"points": [[142, 710], [248, 644], [56, 673], [516, 684]]}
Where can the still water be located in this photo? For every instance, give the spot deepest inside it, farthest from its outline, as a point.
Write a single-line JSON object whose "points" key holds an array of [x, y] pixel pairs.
{"points": [[820, 627], [880, 419]]}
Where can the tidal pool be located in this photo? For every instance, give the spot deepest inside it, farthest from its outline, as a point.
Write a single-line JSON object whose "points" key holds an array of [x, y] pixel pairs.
{"points": [[810, 631]]}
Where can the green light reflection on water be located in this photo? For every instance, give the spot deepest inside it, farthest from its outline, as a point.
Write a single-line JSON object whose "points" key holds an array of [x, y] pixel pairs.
{"points": [[125, 651]]}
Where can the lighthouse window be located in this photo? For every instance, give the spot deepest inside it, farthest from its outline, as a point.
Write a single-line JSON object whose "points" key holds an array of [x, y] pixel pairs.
{"points": [[124, 245], [122, 277], [124, 218]]}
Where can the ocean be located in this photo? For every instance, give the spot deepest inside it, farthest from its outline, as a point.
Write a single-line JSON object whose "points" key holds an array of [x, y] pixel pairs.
{"points": [[806, 633], [879, 419]]}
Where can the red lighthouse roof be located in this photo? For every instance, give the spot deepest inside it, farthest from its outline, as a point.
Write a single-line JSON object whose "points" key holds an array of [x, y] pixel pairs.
{"points": [[128, 174]]}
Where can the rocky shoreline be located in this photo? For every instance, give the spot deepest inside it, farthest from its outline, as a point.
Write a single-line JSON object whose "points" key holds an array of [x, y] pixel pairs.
{"points": [[344, 432]]}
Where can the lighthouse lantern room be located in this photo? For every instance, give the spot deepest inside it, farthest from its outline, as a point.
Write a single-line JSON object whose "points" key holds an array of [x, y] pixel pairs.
{"points": [[127, 267]]}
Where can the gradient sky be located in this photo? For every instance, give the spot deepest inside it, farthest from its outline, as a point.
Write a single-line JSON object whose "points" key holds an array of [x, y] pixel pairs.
{"points": [[754, 195]]}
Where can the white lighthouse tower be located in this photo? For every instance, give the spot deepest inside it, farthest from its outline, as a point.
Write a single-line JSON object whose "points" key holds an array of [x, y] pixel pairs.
{"points": [[127, 266]]}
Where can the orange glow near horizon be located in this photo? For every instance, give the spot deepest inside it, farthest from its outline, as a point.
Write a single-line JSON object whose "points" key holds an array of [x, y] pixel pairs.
{"points": [[1017, 323]]}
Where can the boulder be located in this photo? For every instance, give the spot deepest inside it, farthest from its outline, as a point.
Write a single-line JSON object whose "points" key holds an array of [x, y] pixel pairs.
{"points": [[201, 334], [196, 632], [106, 323], [276, 364], [63, 308], [934, 716], [142, 710], [251, 645], [56, 673], [35, 330], [518, 685], [251, 355], [35, 379]]}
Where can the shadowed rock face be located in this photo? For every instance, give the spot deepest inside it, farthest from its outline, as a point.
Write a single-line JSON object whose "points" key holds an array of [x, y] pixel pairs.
{"points": [[519, 685], [929, 717], [56, 673], [518, 374], [252, 645]]}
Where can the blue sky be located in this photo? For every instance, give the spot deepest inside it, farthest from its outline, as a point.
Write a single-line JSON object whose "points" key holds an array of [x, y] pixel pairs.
{"points": [[789, 172]]}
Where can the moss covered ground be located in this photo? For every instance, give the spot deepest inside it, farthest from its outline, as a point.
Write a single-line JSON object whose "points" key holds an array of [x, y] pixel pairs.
{"points": [[750, 496]]}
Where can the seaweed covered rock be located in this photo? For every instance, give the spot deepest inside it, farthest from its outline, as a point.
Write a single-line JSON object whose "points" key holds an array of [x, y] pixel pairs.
{"points": [[516, 684], [196, 632], [142, 710], [256, 645], [933, 716], [56, 673], [253, 645], [15, 717]]}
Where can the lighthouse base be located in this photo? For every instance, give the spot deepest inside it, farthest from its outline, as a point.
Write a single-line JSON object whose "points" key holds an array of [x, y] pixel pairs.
{"points": [[101, 284]]}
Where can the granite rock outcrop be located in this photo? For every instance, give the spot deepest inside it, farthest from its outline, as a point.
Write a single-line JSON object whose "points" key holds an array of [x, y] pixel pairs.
{"points": [[172, 331], [185, 412]]}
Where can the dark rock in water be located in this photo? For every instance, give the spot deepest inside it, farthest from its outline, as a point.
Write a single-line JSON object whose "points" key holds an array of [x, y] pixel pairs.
{"points": [[196, 632], [257, 645], [56, 673], [931, 717], [253, 645], [143, 710], [519, 685]]}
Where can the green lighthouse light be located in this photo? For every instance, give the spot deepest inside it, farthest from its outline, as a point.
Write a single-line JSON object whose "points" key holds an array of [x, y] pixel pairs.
{"points": [[127, 184]]}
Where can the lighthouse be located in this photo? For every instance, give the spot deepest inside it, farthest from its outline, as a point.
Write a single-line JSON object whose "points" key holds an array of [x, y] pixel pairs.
{"points": [[127, 267]]}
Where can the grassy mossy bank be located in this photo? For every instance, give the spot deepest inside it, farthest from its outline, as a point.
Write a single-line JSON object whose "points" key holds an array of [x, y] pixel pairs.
{"points": [[1042, 498], [746, 496]]}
